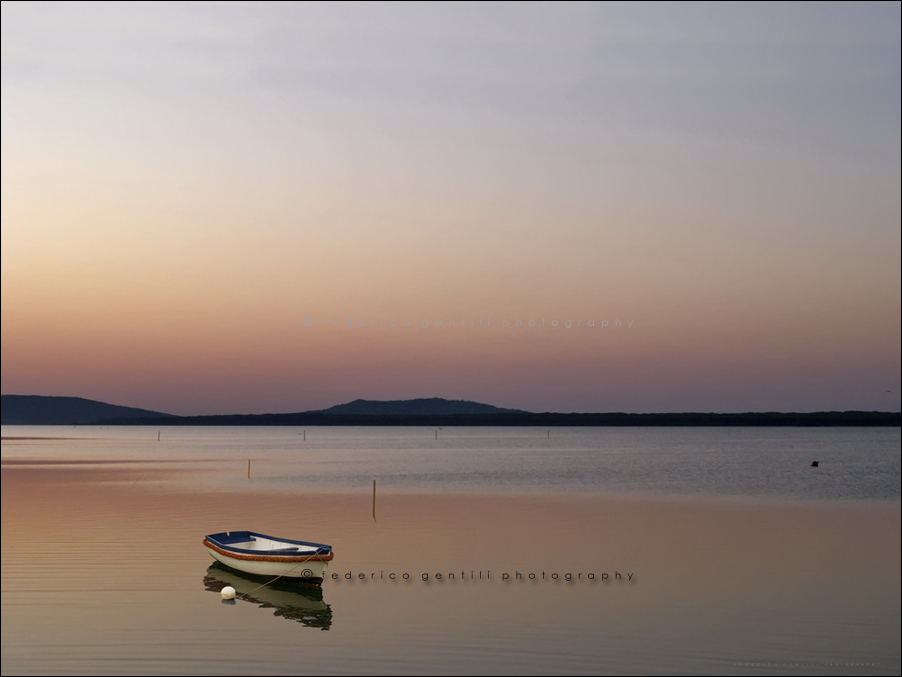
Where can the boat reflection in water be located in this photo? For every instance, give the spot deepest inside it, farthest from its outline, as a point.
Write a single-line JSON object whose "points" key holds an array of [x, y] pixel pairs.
{"points": [[298, 602]]}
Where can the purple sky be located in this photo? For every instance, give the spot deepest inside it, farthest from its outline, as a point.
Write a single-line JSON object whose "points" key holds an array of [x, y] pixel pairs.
{"points": [[192, 194]]}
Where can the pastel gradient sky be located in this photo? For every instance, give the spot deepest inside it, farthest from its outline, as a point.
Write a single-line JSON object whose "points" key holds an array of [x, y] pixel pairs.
{"points": [[184, 184]]}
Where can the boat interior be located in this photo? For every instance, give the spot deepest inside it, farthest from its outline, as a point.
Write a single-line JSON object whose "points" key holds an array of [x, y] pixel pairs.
{"points": [[246, 541]]}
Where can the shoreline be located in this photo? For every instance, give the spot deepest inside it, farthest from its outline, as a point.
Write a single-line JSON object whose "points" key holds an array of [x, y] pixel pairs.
{"points": [[753, 419]]}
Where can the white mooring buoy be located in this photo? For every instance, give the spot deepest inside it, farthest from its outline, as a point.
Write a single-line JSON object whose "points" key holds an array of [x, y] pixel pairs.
{"points": [[228, 592]]}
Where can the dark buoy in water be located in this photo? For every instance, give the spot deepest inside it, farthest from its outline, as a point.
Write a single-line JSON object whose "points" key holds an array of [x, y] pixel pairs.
{"points": [[814, 464]]}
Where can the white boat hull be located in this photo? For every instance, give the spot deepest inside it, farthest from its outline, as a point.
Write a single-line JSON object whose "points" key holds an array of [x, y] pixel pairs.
{"points": [[262, 555], [289, 570]]}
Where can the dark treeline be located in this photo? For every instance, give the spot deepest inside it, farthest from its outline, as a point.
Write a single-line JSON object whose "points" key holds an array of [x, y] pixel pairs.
{"points": [[815, 419]]}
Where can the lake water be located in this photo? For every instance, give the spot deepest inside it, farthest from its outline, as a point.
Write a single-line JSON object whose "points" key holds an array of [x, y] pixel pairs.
{"points": [[854, 463], [585, 550]]}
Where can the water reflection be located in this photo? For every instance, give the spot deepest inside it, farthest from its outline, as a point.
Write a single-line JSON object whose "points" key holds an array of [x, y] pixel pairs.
{"points": [[298, 602]]}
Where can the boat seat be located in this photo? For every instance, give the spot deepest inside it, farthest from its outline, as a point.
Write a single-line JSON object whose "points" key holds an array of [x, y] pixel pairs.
{"points": [[235, 537], [281, 550]]}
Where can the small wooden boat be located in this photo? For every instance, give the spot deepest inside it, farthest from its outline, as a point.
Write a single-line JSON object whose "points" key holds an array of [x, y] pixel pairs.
{"points": [[263, 555]]}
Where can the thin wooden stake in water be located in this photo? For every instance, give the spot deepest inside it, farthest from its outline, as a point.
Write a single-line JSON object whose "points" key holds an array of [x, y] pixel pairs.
{"points": [[158, 435], [374, 500], [248, 468], [549, 434], [305, 435], [436, 434]]}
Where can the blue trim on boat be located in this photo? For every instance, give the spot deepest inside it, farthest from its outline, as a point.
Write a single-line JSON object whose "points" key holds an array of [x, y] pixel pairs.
{"points": [[226, 538]]}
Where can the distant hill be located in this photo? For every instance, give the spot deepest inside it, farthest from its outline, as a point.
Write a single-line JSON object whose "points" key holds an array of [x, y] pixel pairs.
{"points": [[433, 406], [39, 410], [45, 410]]}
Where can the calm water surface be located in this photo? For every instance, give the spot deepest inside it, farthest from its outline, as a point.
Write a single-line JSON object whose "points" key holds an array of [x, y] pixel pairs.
{"points": [[857, 463], [687, 550]]}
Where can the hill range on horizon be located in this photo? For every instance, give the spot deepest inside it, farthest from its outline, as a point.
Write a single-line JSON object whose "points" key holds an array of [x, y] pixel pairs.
{"points": [[432, 406], [53, 410]]}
